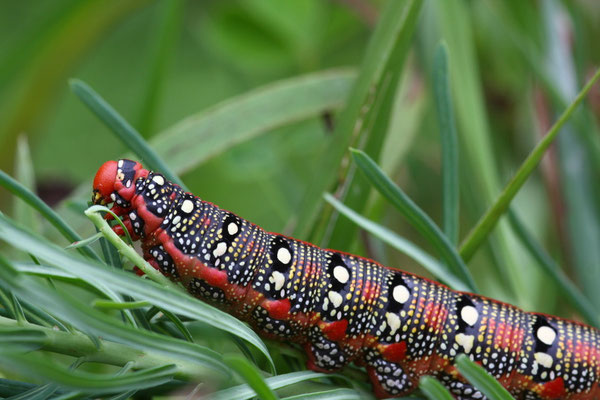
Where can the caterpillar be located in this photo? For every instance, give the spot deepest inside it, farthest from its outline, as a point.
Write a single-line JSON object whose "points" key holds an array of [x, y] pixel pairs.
{"points": [[343, 308]]}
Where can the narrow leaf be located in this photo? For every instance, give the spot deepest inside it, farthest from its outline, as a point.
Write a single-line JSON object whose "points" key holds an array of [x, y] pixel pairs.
{"points": [[370, 129], [568, 289], [164, 297], [401, 244], [335, 394], [243, 392], [111, 305], [251, 375], [433, 389], [481, 379], [169, 16], [487, 221], [204, 135], [41, 392], [34, 201], [415, 216], [449, 139], [124, 131], [24, 173], [40, 368], [394, 27]]}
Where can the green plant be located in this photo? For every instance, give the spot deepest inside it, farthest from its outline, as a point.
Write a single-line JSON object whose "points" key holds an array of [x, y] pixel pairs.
{"points": [[123, 334]]}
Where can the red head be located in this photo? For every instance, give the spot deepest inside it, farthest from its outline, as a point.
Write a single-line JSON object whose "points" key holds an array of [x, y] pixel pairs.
{"points": [[116, 178]]}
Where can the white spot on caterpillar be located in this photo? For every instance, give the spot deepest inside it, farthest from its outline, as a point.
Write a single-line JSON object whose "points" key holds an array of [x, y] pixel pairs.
{"points": [[341, 274], [393, 321], [545, 360], [466, 341], [283, 255], [220, 249], [158, 179], [120, 164], [232, 228], [278, 279], [469, 314], [546, 335], [187, 206], [336, 298], [401, 294]]}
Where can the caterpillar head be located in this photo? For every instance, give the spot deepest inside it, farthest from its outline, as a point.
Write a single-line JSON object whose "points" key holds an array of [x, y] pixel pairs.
{"points": [[115, 182]]}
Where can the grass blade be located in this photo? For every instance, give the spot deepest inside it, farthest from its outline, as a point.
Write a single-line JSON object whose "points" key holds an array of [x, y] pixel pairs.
{"points": [[84, 242], [487, 222], [476, 137], [40, 368], [179, 325], [56, 220], [79, 345], [449, 139], [578, 178], [14, 388], [251, 375], [199, 137], [81, 315], [335, 394], [124, 131], [571, 293], [481, 379], [415, 216], [24, 173], [164, 297], [112, 305], [372, 128], [243, 392], [399, 243], [37, 393], [433, 389], [202, 136], [170, 15], [397, 19]]}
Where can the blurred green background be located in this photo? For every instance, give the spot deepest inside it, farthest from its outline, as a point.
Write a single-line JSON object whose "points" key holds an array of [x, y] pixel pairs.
{"points": [[254, 104], [513, 66]]}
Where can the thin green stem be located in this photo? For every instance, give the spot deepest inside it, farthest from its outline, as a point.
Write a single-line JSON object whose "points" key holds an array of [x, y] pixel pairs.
{"points": [[112, 305], [488, 221], [93, 213]]}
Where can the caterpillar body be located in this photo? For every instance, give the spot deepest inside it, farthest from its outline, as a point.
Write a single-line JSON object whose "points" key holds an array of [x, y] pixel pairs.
{"points": [[344, 308]]}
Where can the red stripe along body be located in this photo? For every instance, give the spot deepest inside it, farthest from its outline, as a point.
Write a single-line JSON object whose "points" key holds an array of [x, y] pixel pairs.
{"points": [[344, 308]]}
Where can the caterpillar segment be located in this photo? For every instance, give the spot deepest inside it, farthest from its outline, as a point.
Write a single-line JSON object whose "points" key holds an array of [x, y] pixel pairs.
{"points": [[342, 308]]}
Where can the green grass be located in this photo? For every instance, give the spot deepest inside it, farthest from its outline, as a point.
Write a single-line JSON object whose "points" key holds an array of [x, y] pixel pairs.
{"points": [[254, 106]]}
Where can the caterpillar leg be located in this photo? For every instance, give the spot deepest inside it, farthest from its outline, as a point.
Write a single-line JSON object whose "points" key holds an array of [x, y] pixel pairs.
{"points": [[388, 378], [158, 257], [324, 355], [460, 389]]}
